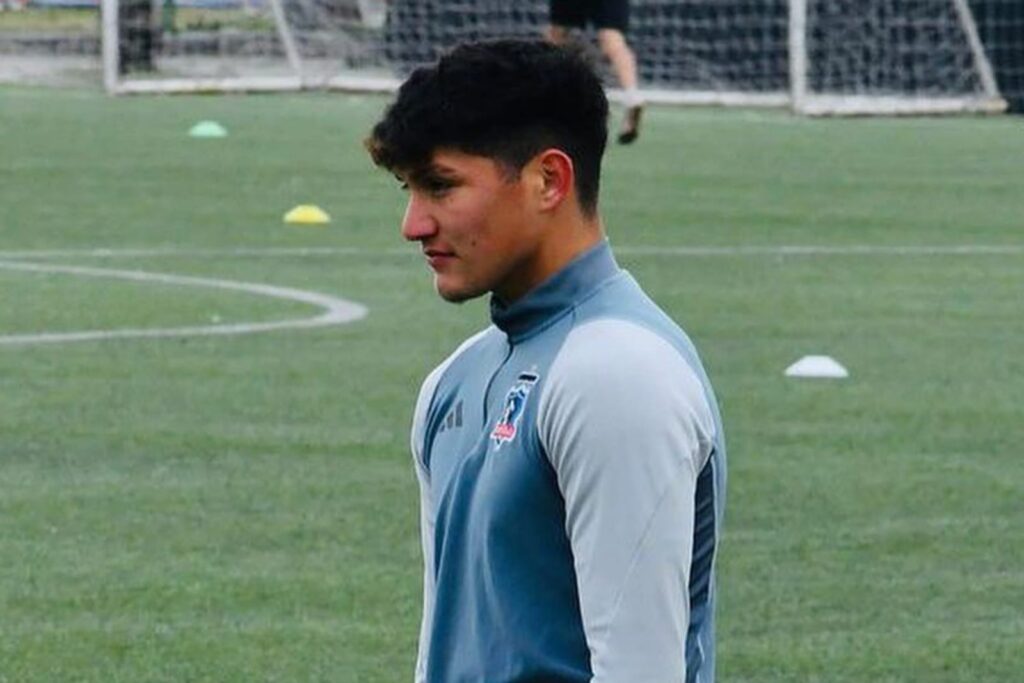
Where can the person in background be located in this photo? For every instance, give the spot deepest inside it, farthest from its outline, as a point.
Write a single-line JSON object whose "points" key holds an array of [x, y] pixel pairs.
{"points": [[611, 20]]}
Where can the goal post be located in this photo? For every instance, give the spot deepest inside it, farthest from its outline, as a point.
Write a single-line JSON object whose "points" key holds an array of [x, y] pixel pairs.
{"points": [[111, 36], [817, 57]]}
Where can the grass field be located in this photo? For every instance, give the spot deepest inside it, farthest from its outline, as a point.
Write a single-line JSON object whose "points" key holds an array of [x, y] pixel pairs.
{"points": [[243, 508]]}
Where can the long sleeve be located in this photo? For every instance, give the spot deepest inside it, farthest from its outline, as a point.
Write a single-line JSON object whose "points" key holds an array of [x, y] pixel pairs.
{"points": [[426, 537], [626, 425], [417, 440]]}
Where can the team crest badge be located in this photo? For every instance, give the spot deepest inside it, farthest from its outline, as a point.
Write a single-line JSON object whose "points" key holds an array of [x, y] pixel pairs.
{"points": [[515, 402]]}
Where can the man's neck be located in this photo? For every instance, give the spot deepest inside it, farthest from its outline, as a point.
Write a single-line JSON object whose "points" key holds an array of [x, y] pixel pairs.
{"points": [[554, 254]]}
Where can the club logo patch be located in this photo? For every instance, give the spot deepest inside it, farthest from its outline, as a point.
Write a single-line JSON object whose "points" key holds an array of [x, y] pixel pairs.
{"points": [[515, 403]]}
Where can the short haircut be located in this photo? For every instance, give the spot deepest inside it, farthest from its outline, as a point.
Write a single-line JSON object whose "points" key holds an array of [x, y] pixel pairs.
{"points": [[506, 100]]}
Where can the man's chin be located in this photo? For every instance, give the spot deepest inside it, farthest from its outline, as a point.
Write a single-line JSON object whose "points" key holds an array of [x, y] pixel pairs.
{"points": [[454, 294]]}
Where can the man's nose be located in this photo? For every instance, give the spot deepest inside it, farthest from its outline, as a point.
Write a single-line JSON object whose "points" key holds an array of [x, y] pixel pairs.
{"points": [[417, 224]]}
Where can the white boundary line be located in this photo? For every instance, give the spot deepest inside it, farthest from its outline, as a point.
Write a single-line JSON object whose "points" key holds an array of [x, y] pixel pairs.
{"points": [[630, 250], [845, 250], [197, 252], [336, 311]]}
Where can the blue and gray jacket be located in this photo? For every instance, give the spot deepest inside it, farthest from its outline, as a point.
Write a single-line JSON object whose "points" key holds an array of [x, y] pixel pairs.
{"points": [[572, 474]]}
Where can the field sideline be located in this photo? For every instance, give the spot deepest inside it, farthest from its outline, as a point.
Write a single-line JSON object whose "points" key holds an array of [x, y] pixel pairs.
{"points": [[242, 508]]}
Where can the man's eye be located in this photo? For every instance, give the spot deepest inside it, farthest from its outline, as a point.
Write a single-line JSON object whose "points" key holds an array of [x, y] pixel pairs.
{"points": [[437, 188], [434, 187]]}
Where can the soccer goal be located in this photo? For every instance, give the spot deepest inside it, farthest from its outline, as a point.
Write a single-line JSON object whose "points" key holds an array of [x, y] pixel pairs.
{"points": [[888, 57], [816, 56], [152, 46]]}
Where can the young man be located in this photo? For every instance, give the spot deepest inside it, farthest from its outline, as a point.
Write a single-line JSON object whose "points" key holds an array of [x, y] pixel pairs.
{"points": [[570, 456], [611, 19]]}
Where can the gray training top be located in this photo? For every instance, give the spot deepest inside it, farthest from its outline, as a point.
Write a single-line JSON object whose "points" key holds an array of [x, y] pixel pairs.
{"points": [[572, 475]]}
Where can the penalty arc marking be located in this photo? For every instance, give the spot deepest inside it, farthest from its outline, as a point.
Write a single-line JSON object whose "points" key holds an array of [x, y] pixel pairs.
{"points": [[335, 311]]}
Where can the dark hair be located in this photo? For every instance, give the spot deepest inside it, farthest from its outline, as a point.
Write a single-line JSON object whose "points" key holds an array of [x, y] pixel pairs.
{"points": [[506, 100]]}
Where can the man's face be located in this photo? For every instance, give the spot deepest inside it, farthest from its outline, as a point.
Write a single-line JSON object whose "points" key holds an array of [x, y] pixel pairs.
{"points": [[473, 221]]}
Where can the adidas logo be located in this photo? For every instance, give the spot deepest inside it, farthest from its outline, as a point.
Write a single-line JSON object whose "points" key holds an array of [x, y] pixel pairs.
{"points": [[454, 418]]}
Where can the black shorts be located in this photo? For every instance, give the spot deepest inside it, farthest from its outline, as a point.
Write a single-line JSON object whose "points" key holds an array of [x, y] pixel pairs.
{"points": [[598, 13]]}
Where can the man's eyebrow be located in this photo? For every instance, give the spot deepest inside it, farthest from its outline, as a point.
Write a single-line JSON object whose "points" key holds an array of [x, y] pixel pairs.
{"points": [[432, 174], [441, 171]]}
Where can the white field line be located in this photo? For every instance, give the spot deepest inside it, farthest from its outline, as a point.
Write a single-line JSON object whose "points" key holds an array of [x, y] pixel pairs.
{"points": [[815, 250], [335, 311], [187, 252], [626, 250]]}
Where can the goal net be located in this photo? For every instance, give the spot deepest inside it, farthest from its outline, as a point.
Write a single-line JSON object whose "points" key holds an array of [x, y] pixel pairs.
{"points": [[816, 56], [243, 45], [889, 56], [54, 42]]}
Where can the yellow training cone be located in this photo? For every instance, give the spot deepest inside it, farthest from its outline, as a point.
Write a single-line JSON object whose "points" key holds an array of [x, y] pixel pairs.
{"points": [[307, 214]]}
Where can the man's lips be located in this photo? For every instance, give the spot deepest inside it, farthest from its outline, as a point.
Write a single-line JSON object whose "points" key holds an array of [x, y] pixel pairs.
{"points": [[438, 258]]}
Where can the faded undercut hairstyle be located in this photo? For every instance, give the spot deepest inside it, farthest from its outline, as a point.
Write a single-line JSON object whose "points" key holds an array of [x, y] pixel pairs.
{"points": [[506, 100]]}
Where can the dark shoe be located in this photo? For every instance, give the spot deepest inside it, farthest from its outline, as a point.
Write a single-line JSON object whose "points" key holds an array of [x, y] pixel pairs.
{"points": [[630, 125]]}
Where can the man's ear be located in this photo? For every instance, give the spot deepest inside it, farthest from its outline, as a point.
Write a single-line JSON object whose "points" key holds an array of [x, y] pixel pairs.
{"points": [[555, 178]]}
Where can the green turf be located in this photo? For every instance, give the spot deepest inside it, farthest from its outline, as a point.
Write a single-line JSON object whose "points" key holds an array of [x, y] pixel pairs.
{"points": [[244, 508]]}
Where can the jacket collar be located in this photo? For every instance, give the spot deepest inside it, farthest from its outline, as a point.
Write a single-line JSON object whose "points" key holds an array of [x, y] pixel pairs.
{"points": [[557, 295]]}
